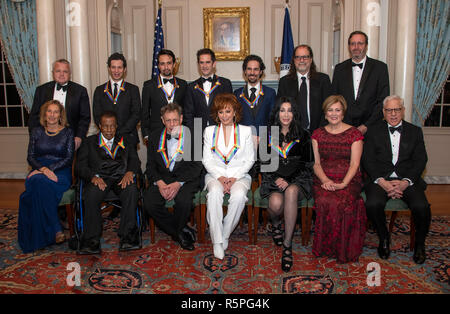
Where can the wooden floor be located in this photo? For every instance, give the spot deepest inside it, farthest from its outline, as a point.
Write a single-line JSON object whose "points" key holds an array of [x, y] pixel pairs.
{"points": [[438, 195]]}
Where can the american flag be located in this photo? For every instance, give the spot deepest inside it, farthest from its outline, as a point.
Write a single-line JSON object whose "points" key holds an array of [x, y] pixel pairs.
{"points": [[287, 48], [158, 44]]}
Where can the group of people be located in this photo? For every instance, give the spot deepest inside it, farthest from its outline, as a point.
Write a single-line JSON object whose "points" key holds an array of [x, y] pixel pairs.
{"points": [[331, 139]]}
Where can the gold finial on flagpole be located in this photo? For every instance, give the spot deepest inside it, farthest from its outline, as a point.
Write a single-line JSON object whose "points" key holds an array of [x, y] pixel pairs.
{"points": [[159, 3]]}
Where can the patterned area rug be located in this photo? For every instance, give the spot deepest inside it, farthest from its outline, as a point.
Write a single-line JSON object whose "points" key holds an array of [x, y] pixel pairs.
{"points": [[165, 268]]}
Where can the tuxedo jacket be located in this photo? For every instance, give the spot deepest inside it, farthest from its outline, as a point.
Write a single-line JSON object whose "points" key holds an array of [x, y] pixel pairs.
{"points": [[93, 159], [258, 116], [377, 153], [77, 107], [153, 99], [373, 89], [319, 90], [127, 108], [195, 105], [239, 166], [184, 170]]}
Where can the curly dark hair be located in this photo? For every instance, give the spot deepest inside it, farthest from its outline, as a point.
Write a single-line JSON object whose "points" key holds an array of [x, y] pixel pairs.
{"points": [[224, 100], [295, 128]]}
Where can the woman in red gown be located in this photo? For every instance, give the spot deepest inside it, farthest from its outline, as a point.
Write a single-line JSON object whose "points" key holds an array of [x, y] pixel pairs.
{"points": [[340, 213]]}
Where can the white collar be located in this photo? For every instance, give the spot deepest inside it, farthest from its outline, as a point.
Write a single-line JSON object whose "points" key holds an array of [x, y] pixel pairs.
{"points": [[119, 83]]}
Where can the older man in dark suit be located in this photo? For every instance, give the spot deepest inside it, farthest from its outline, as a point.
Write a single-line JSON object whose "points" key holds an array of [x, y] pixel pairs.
{"points": [[107, 162], [364, 83], [159, 91], [307, 86], [394, 158], [119, 96], [71, 95]]}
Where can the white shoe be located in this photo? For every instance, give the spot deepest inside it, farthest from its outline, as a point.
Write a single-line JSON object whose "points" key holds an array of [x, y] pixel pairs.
{"points": [[225, 244], [218, 251]]}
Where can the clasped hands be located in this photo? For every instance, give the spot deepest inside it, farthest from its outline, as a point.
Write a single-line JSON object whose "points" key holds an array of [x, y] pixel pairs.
{"points": [[168, 191], [227, 183], [394, 188], [127, 179], [45, 171], [330, 185]]}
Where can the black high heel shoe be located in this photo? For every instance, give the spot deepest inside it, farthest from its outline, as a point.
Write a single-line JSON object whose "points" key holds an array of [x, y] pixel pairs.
{"points": [[286, 259], [277, 234]]}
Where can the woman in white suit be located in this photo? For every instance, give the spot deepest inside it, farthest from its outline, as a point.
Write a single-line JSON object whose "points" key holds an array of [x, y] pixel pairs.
{"points": [[228, 155]]}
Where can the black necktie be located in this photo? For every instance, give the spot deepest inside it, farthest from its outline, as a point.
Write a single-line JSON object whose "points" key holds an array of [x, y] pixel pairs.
{"points": [[253, 94], [171, 81], [169, 137], [209, 79], [360, 65], [64, 87], [115, 91], [303, 95], [393, 129]]}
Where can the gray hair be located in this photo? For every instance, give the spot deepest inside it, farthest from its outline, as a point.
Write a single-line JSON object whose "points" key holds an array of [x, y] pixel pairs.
{"points": [[61, 61], [393, 97]]}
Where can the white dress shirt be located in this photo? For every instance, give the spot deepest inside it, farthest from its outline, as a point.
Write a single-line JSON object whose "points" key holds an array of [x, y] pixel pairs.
{"points": [[168, 87], [109, 143], [357, 75], [60, 95]]}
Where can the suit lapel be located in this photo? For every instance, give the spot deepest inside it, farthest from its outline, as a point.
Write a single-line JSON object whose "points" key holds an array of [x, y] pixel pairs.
{"points": [[50, 90], [404, 140], [367, 70], [349, 77], [69, 96], [387, 143]]}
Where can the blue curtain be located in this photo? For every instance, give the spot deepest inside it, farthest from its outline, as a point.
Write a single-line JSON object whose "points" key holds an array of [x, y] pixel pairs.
{"points": [[18, 36], [432, 56]]}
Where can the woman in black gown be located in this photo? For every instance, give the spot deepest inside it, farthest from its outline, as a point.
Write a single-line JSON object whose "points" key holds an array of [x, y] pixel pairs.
{"points": [[50, 154], [292, 180]]}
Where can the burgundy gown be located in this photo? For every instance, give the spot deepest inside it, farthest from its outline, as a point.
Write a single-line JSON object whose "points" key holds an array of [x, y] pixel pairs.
{"points": [[340, 225]]}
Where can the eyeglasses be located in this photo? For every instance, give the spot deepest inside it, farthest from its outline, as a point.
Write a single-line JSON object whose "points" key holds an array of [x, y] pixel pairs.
{"points": [[396, 110], [302, 57]]}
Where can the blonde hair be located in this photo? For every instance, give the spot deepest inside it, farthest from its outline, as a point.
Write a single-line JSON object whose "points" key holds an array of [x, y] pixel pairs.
{"points": [[62, 113], [331, 100]]}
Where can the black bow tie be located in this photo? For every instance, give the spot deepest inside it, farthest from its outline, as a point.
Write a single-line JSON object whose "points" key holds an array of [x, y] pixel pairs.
{"points": [[171, 81], [360, 65], [209, 79], [393, 129], [169, 137], [64, 87]]}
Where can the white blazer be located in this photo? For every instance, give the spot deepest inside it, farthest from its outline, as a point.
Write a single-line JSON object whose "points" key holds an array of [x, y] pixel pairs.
{"points": [[241, 163]]}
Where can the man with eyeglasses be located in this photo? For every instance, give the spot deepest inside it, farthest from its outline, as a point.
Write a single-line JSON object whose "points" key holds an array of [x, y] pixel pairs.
{"points": [[394, 158], [364, 83], [308, 86]]}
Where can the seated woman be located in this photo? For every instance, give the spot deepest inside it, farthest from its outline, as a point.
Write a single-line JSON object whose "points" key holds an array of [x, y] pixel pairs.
{"points": [[50, 154], [292, 180], [228, 155], [340, 213]]}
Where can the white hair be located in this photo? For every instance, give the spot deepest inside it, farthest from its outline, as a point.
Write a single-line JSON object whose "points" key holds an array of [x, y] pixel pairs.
{"points": [[393, 97]]}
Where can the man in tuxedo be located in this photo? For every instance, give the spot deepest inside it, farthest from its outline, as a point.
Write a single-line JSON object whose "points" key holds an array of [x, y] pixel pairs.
{"points": [[309, 87], [72, 96], [119, 96], [394, 158], [159, 91], [200, 93], [107, 162], [364, 83], [172, 176], [257, 100]]}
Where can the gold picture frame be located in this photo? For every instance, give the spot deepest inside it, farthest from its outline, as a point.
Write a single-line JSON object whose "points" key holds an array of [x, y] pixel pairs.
{"points": [[227, 32]]}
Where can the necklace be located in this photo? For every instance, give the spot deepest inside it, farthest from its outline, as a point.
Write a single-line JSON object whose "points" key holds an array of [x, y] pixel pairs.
{"points": [[50, 133]]}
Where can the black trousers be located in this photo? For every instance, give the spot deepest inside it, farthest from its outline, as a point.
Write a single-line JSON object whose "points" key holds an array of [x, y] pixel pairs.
{"points": [[417, 202], [170, 223], [93, 222]]}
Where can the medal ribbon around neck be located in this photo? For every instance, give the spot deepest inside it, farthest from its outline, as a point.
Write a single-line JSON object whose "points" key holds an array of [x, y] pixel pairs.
{"points": [[233, 151], [102, 144], [175, 86], [283, 152], [252, 104], [110, 96], [162, 147], [210, 91]]}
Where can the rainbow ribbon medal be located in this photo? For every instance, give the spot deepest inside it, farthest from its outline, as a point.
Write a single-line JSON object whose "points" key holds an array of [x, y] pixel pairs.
{"points": [[175, 86], [102, 144], [283, 152], [233, 151], [253, 103], [162, 147], [121, 89], [210, 91]]}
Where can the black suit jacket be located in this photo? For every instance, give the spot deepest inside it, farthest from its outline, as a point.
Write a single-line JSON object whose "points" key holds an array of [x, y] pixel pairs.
{"points": [[93, 159], [183, 170], [319, 90], [77, 107], [153, 99], [373, 89], [377, 153], [127, 109], [195, 105]]}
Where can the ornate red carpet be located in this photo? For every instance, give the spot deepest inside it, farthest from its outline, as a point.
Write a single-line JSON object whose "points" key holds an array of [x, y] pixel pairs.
{"points": [[165, 268]]}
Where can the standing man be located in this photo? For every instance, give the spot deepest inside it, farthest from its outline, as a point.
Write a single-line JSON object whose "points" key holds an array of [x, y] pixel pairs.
{"points": [[394, 158], [71, 95], [309, 87], [257, 100], [160, 91], [172, 176], [200, 93], [121, 97], [364, 83]]}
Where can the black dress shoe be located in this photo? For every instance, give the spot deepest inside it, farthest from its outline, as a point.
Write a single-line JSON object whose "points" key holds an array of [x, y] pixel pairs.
{"points": [[383, 249], [419, 256], [126, 246], [190, 233], [185, 241], [90, 248]]}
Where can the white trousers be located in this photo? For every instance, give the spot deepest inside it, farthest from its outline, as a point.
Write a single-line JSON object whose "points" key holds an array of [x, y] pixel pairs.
{"points": [[221, 228]]}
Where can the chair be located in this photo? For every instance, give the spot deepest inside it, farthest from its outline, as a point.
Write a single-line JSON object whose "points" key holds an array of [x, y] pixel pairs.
{"points": [[67, 200]]}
